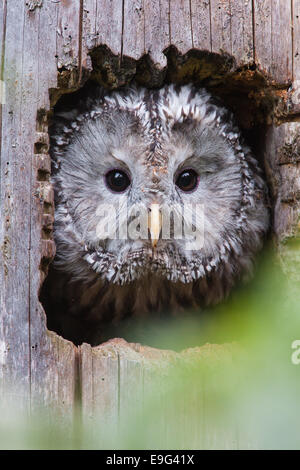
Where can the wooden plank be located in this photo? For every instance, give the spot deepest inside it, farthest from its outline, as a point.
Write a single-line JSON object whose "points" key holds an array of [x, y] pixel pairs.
{"points": [[47, 60], [30, 92], [100, 391], [263, 34], [201, 33], [126, 385], [100, 376], [3, 14], [242, 31], [54, 376], [67, 29], [221, 31], [14, 213], [3, 6], [52, 358], [282, 163], [224, 26], [181, 34], [273, 39], [130, 391], [89, 33], [290, 187], [294, 102], [283, 169], [86, 373], [281, 41], [157, 30], [109, 32], [133, 37], [38, 366], [296, 41], [89, 23], [69, 43]]}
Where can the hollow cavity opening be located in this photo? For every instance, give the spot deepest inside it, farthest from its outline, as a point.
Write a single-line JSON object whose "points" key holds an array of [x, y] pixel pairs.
{"points": [[245, 91]]}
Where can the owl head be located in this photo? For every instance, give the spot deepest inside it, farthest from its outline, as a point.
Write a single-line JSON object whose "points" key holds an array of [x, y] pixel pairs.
{"points": [[155, 182]]}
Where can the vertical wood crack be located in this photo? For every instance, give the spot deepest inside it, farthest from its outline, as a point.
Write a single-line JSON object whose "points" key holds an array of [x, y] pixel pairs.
{"points": [[2, 72], [230, 15], [122, 32], [292, 33], [253, 31], [191, 22], [78, 405], [119, 387], [210, 26], [170, 31], [80, 26]]}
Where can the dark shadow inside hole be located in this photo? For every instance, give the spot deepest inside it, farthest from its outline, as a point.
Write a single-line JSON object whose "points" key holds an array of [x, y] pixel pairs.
{"points": [[244, 91]]}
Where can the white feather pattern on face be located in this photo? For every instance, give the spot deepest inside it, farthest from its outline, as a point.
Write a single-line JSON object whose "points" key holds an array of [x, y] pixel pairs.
{"points": [[152, 135]]}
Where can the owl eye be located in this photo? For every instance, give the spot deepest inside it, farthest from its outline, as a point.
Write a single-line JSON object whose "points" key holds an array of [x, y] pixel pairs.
{"points": [[187, 180], [117, 180]]}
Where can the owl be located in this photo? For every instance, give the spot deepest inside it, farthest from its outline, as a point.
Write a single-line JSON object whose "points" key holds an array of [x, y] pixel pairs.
{"points": [[160, 206]]}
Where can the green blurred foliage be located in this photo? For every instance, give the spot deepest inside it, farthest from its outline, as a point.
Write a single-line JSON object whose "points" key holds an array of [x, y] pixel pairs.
{"points": [[245, 397]]}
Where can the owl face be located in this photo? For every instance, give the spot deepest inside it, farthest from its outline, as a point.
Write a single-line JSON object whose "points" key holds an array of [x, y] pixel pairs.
{"points": [[155, 182]]}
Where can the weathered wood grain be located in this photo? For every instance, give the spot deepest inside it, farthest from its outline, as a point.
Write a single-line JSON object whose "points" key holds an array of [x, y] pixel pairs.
{"points": [[53, 360], [68, 34], [201, 25], [231, 29], [47, 54], [273, 38], [157, 31], [125, 383], [294, 92], [89, 30], [242, 31], [181, 34], [109, 32], [296, 40], [100, 375], [283, 168], [37, 364], [221, 31], [282, 163], [281, 41], [15, 211], [262, 15], [133, 32], [3, 7], [30, 93], [3, 347]]}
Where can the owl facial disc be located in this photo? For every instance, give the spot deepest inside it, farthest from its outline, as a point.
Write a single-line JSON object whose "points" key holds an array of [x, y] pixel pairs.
{"points": [[172, 149]]}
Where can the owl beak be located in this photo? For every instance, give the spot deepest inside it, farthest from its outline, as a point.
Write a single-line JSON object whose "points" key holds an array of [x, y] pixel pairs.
{"points": [[154, 223]]}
